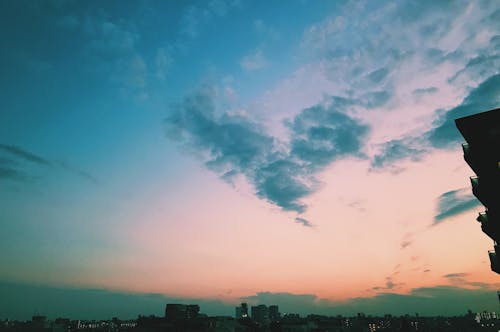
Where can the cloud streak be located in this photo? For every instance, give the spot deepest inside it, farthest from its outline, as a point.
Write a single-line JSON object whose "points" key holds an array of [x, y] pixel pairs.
{"points": [[9, 169], [254, 61], [396, 150], [455, 275], [453, 203], [8, 173], [303, 221], [26, 155]]}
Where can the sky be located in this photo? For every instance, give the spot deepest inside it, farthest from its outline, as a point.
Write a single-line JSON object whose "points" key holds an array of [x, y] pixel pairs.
{"points": [[225, 151]]}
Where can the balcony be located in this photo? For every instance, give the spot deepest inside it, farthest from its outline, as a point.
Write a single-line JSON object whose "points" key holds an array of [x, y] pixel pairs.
{"points": [[482, 217], [482, 161], [489, 225], [493, 261], [474, 180], [466, 148], [486, 190]]}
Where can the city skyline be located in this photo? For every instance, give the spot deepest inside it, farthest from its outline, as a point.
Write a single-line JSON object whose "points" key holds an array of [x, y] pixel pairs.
{"points": [[230, 151], [188, 318]]}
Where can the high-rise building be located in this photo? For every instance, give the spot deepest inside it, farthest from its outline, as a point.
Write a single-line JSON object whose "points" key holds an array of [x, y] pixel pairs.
{"points": [[482, 153], [39, 321], [192, 311], [241, 311], [176, 312], [260, 314], [274, 313]]}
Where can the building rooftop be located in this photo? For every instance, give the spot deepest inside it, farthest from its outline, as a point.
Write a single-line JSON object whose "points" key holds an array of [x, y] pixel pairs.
{"points": [[481, 127]]}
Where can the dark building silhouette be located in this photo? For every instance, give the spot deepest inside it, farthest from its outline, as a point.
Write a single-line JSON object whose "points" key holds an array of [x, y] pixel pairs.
{"points": [[274, 313], [260, 314], [482, 153], [192, 311], [178, 312], [39, 321], [241, 311]]}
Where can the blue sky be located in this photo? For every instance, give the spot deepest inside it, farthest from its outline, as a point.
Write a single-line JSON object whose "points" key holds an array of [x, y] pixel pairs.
{"points": [[152, 138]]}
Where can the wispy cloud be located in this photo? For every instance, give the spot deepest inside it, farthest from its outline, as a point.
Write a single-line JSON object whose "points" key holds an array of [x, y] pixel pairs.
{"points": [[455, 275], [484, 97], [111, 45], [264, 29], [396, 150], [389, 285], [407, 240], [453, 203], [196, 16], [163, 61], [303, 221], [26, 155], [281, 173], [424, 91], [405, 244], [444, 135], [10, 169], [79, 172], [9, 173], [254, 61], [461, 45]]}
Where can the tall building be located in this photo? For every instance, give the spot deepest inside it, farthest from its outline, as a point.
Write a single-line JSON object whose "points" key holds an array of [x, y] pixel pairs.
{"points": [[177, 312], [260, 314], [192, 311], [498, 294], [241, 311], [482, 153], [274, 313], [39, 321]]}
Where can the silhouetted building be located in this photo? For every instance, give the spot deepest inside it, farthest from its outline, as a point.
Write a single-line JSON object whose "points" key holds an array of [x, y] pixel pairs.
{"points": [[498, 294], [274, 313], [241, 311], [260, 314], [192, 311], [177, 312], [39, 321], [482, 153]]}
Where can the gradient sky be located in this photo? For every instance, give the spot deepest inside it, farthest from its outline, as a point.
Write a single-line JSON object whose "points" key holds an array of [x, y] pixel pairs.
{"points": [[300, 153]]}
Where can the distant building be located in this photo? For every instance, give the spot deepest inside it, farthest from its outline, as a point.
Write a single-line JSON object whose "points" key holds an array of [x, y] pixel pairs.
{"points": [[485, 315], [192, 311], [177, 312], [241, 311], [274, 313], [38, 321], [482, 153], [260, 314]]}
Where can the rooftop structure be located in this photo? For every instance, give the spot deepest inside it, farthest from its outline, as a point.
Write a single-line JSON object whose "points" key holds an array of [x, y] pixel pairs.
{"points": [[482, 153]]}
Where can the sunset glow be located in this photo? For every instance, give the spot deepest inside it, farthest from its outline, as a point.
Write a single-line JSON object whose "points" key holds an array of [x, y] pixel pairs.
{"points": [[303, 153]]}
